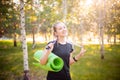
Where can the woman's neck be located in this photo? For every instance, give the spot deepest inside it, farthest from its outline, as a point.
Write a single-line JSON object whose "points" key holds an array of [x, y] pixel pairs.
{"points": [[62, 40]]}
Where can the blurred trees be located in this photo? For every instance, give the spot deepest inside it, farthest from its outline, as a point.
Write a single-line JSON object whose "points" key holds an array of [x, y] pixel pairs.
{"points": [[9, 21], [113, 20], [81, 17]]}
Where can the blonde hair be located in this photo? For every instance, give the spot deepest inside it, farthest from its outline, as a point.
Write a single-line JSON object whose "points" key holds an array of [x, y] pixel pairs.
{"points": [[54, 26]]}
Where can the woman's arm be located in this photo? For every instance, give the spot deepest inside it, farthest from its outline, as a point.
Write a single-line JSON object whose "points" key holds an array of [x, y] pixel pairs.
{"points": [[77, 57], [46, 53]]}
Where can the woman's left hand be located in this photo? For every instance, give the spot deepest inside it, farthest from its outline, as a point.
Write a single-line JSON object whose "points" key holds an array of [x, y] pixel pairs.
{"points": [[82, 51]]}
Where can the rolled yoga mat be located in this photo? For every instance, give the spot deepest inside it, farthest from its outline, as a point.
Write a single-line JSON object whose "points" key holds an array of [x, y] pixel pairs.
{"points": [[54, 62]]}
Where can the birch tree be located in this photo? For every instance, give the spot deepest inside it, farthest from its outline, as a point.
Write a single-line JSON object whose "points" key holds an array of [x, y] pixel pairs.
{"points": [[101, 15], [64, 10], [23, 40]]}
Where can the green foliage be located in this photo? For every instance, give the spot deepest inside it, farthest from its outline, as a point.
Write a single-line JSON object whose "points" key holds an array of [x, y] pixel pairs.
{"points": [[80, 17], [45, 14], [113, 24], [89, 67], [9, 18]]}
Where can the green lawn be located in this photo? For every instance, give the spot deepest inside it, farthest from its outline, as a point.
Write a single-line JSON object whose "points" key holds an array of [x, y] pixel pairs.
{"points": [[89, 67]]}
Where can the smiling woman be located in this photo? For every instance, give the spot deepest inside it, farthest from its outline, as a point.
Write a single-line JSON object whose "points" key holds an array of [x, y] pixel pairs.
{"points": [[63, 49]]}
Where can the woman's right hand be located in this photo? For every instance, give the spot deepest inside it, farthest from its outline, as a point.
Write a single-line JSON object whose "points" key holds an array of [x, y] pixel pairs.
{"points": [[49, 47], [46, 53]]}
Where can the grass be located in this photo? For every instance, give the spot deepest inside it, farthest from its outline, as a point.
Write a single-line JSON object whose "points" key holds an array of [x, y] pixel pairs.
{"points": [[89, 67]]}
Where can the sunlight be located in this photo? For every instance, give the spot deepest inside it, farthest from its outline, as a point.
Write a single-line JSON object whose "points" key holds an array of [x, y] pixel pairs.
{"points": [[86, 6], [16, 1], [38, 39], [88, 2]]}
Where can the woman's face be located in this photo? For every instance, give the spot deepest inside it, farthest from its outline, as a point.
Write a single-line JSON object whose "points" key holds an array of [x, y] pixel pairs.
{"points": [[61, 30]]}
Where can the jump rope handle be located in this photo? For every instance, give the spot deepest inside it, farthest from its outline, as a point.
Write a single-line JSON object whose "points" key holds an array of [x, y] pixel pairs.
{"points": [[48, 47]]}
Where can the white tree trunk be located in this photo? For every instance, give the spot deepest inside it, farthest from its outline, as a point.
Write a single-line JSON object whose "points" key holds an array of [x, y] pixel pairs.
{"points": [[64, 10], [101, 28], [23, 36]]}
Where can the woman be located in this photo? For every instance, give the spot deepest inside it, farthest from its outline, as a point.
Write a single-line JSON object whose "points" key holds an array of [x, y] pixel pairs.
{"points": [[63, 49]]}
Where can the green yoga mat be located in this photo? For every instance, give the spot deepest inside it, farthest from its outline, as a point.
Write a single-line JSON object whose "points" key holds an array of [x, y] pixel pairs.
{"points": [[54, 62]]}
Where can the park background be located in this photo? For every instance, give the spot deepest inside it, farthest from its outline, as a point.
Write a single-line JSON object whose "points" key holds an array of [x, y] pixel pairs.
{"points": [[94, 23]]}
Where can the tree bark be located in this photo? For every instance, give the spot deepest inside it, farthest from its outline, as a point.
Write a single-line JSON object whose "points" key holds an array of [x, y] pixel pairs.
{"points": [[33, 32], [119, 38], [114, 38], [64, 10], [101, 25], [108, 38], [101, 42], [24, 42], [15, 40]]}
